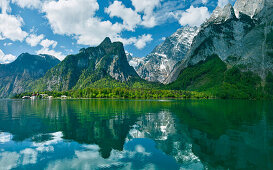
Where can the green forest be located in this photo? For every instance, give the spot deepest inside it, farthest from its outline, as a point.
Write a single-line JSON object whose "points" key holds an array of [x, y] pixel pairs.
{"points": [[126, 93], [219, 79]]}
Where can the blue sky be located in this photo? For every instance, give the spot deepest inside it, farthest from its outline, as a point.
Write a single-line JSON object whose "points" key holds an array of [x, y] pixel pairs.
{"points": [[62, 27]]}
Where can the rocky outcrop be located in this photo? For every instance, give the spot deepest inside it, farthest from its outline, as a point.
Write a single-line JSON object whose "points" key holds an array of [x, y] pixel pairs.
{"points": [[220, 15]]}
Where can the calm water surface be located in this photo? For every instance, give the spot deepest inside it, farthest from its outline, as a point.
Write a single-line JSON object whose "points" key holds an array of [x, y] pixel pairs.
{"points": [[135, 134]]}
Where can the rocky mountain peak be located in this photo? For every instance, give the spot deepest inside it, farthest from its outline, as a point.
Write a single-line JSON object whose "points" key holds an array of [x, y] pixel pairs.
{"points": [[106, 42], [216, 13], [110, 47], [228, 11], [250, 7], [220, 15]]}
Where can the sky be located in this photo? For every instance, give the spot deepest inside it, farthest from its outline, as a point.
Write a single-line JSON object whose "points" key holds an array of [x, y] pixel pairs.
{"points": [[63, 27]]}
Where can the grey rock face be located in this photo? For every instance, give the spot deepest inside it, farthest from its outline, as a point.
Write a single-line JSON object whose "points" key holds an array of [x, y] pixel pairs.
{"points": [[116, 65], [220, 15], [242, 41], [249, 7], [160, 62]]}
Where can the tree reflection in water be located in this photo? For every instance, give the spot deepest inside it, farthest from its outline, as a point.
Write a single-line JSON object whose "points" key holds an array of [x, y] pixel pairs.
{"points": [[137, 134]]}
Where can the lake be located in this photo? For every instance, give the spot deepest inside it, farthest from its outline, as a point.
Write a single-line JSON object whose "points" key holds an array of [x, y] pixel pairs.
{"points": [[136, 134]]}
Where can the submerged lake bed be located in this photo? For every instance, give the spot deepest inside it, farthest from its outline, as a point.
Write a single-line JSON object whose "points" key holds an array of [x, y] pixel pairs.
{"points": [[136, 134]]}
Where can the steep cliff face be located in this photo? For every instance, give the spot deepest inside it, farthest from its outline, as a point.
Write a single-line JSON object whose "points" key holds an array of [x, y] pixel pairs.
{"points": [[160, 62], [16, 76], [244, 41], [88, 66]]}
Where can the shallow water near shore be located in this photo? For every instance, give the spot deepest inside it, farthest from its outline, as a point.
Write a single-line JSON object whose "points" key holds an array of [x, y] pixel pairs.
{"points": [[136, 134]]}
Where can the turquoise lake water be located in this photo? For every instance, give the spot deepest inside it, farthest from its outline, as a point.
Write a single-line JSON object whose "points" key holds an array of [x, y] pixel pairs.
{"points": [[136, 134]]}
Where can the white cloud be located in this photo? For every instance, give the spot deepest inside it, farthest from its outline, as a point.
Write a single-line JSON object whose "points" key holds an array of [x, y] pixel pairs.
{"points": [[139, 42], [10, 27], [5, 59], [149, 21], [125, 41], [76, 18], [28, 3], [146, 13], [143, 40], [54, 53], [130, 18], [64, 14], [33, 40], [147, 7], [4, 5], [167, 11], [47, 43], [194, 16], [46, 146], [222, 3], [95, 30]]}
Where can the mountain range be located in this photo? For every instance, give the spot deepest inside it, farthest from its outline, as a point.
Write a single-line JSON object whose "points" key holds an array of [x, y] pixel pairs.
{"points": [[230, 56], [104, 66]]}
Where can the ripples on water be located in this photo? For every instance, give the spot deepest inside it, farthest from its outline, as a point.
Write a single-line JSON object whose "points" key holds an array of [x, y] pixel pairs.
{"points": [[128, 134]]}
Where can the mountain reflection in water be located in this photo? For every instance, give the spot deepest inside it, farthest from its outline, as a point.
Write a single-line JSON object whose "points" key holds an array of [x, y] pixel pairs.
{"points": [[136, 134]]}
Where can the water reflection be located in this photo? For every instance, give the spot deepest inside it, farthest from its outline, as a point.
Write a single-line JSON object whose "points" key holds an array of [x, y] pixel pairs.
{"points": [[121, 134]]}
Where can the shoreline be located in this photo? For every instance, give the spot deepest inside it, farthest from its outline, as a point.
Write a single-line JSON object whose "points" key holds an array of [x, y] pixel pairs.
{"points": [[147, 99]]}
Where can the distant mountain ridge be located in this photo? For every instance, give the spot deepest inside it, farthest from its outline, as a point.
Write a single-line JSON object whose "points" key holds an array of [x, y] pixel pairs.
{"points": [[16, 76]]}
